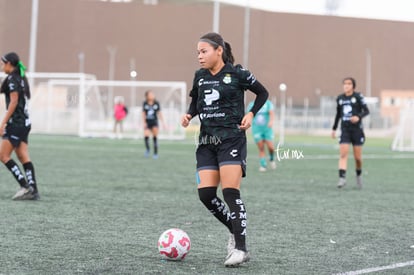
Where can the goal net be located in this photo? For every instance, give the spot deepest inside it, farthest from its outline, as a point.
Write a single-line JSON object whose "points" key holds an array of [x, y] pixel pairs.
{"points": [[404, 139], [79, 104]]}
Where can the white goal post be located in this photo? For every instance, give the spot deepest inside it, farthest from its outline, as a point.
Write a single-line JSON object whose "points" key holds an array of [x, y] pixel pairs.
{"points": [[404, 139], [79, 104]]}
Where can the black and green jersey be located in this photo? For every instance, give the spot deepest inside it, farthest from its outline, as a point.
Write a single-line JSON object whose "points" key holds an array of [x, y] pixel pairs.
{"points": [[15, 83], [348, 106], [220, 101]]}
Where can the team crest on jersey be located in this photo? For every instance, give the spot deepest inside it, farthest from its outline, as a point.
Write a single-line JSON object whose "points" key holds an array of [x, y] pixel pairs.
{"points": [[353, 99], [227, 79], [340, 102]]}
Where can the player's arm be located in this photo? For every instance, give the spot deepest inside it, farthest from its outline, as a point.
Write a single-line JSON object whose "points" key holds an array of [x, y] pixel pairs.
{"points": [[261, 96], [336, 121], [363, 112], [14, 99], [144, 118], [160, 115], [192, 109]]}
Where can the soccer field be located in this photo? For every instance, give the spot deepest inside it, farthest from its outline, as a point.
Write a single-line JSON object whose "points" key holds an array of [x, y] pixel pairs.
{"points": [[104, 206]]}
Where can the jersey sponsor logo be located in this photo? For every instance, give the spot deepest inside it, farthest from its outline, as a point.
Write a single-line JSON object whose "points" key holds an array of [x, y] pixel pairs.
{"points": [[213, 115], [234, 153], [227, 79], [207, 82], [210, 96]]}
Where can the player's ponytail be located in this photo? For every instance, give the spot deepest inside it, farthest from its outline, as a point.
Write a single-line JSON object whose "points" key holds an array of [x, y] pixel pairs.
{"points": [[215, 40], [228, 55], [14, 59]]}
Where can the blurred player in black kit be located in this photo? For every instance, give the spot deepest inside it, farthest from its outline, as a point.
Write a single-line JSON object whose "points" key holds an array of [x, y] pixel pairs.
{"points": [[217, 97], [15, 127], [151, 113], [351, 108]]}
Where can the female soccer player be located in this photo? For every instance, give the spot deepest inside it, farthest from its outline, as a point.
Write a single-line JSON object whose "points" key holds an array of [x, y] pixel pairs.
{"points": [[351, 108], [151, 111], [217, 97], [262, 129], [120, 112], [15, 127]]}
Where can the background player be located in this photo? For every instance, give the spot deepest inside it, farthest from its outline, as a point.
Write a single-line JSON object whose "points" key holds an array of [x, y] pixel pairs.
{"points": [[217, 97], [151, 111], [120, 113], [262, 130], [351, 108], [15, 127]]}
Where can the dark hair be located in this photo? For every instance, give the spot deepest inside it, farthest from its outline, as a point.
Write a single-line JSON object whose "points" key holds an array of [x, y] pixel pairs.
{"points": [[216, 40], [352, 80], [14, 59]]}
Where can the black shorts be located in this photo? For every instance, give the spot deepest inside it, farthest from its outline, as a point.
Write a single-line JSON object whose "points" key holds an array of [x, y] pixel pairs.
{"points": [[355, 136], [152, 124], [16, 135], [231, 151]]}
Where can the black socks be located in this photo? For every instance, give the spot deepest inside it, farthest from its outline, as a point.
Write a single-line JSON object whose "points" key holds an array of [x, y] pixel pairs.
{"points": [[147, 144], [154, 139], [237, 215], [208, 197], [30, 175], [17, 173], [358, 172], [342, 173]]}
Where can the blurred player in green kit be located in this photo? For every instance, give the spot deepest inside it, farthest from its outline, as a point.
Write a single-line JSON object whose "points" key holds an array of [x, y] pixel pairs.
{"points": [[263, 135]]}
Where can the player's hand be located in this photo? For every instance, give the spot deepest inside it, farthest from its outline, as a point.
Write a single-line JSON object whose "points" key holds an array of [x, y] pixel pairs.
{"points": [[354, 119], [185, 120], [270, 125], [145, 126], [333, 134], [246, 121]]}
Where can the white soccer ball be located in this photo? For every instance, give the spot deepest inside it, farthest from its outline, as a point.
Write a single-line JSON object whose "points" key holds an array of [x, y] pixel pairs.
{"points": [[174, 244]]}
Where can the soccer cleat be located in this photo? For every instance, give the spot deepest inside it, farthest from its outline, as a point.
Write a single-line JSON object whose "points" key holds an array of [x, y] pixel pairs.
{"points": [[231, 244], [359, 181], [341, 182], [147, 154], [155, 156], [23, 194], [262, 169], [273, 165], [237, 257]]}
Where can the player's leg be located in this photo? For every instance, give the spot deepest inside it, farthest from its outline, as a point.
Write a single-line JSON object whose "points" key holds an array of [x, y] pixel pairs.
{"points": [[358, 164], [343, 161], [232, 162], [154, 131], [262, 155], [22, 152], [147, 133], [358, 139], [208, 179], [6, 149], [269, 137]]}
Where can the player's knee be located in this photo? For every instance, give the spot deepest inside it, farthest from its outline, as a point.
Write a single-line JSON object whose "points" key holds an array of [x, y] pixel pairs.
{"points": [[207, 195]]}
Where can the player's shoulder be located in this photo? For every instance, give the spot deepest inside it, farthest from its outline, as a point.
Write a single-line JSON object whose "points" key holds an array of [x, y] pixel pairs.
{"points": [[200, 73]]}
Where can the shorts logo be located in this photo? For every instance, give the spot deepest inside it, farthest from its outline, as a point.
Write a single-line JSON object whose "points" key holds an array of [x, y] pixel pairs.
{"points": [[227, 79], [234, 153], [210, 96]]}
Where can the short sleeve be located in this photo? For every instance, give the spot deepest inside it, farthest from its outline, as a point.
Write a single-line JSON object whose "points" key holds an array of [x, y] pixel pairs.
{"points": [[194, 89], [12, 84], [246, 78], [158, 107]]}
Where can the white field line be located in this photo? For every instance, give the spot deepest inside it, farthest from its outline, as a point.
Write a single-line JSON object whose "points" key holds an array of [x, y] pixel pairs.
{"points": [[365, 156], [375, 269]]}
